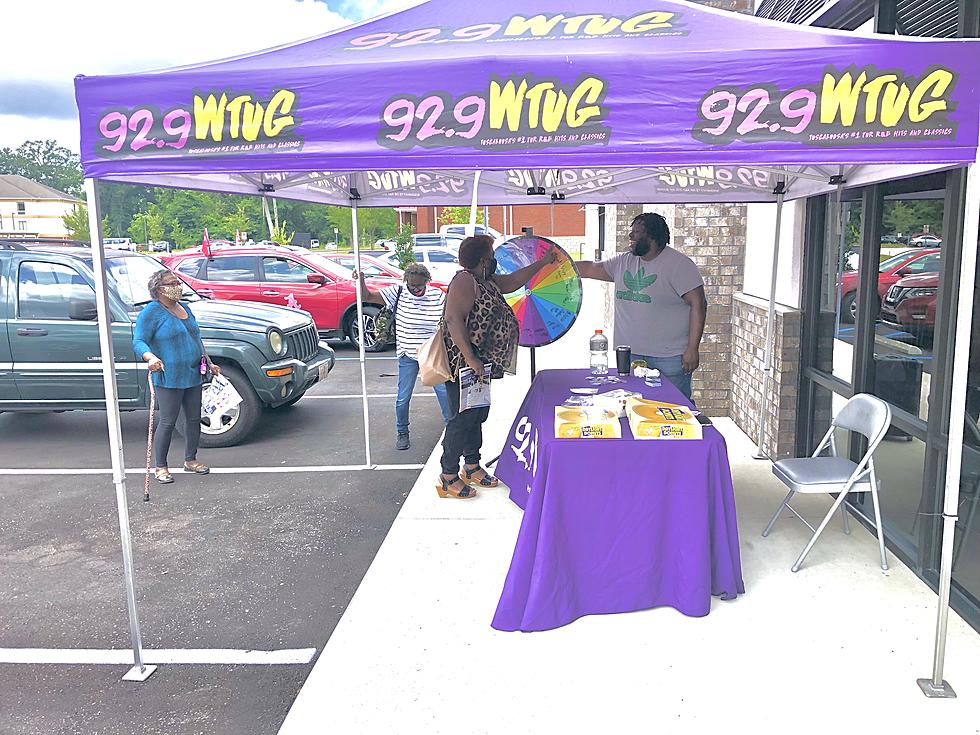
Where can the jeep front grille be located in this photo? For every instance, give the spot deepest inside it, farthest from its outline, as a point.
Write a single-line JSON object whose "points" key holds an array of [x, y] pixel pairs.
{"points": [[303, 343]]}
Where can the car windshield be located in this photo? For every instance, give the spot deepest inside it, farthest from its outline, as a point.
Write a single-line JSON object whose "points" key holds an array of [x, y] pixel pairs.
{"points": [[895, 260], [130, 276]]}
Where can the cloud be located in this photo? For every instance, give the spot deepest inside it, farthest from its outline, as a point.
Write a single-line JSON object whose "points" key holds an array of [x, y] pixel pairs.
{"points": [[111, 37]]}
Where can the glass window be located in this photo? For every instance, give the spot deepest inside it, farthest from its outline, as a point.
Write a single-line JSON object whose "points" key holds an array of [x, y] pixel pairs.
{"points": [[839, 287], [190, 267], [21, 208], [966, 542], [903, 353], [437, 256], [232, 268], [45, 289], [285, 270]]}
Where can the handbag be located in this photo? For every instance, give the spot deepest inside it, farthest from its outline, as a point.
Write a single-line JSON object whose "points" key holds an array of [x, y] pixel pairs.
{"points": [[434, 358], [384, 322]]}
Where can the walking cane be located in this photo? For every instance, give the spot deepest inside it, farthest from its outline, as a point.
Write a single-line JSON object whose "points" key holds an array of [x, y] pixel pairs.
{"points": [[149, 440]]}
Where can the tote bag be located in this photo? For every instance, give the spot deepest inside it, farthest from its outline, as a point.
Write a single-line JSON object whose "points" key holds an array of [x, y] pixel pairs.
{"points": [[434, 359]]}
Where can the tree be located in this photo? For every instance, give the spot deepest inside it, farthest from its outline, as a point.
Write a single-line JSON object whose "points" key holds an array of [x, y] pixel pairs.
{"points": [[45, 162], [404, 250], [146, 226], [279, 234], [459, 216], [178, 235], [77, 223]]}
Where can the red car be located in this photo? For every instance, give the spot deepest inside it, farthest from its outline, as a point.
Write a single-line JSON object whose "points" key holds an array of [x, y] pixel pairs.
{"points": [[911, 304], [285, 276], [907, 263]]}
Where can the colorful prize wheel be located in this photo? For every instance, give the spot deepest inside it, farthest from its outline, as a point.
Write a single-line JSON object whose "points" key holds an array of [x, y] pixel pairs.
{"points": [[546, 308]]}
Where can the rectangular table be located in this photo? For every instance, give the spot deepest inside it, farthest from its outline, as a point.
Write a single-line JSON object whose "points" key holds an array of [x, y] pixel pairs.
{"points": [[614, 525]]}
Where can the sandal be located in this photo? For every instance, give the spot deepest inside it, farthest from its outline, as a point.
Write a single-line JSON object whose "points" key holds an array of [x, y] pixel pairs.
{"points": [[163, 476], [196, 467], [446, 489], [487, 480]]}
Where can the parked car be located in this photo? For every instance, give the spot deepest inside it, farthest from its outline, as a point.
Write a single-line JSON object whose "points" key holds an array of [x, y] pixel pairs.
{"points": [[437, 240], [468, 230], [50, 356], [911, 304], [385, 243], [442, 262], [890, 271], [161, 246], [119, 243], [926, 240], [376, 268], [285, 275]]}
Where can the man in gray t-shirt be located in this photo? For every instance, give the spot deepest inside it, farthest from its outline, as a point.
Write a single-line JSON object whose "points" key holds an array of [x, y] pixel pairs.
{"points": [[660, 303]]}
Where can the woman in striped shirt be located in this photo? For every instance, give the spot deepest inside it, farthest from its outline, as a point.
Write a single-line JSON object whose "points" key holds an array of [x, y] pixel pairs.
{"points": [[417, 309]]}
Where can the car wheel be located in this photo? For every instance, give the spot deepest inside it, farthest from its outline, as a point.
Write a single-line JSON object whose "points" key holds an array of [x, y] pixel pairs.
{"points": [[354, 334], [848, 307], [234, 426]]}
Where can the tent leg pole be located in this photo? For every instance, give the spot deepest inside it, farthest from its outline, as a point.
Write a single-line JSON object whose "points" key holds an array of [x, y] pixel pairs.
{"points": [[476, 192], [770, 335], [361, 337], [936, 686], [140, 671]]}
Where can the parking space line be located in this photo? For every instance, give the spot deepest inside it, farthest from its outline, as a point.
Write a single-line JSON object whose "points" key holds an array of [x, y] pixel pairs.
{"points": [[226, 470], [357, 359], [124, 657], [375, 395]]}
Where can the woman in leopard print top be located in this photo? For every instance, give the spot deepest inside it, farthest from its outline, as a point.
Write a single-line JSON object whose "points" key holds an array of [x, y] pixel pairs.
{"points": [[481, 327]]}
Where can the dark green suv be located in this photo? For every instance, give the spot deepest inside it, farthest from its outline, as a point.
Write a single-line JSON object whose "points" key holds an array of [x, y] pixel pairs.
{"points": [[49, 345]]}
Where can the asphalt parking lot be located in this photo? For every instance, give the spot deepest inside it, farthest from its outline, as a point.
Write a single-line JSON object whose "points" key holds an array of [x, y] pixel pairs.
{"points": [[244, 560]]}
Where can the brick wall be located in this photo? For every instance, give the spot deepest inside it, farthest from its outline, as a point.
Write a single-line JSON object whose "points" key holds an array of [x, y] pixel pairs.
{"points": [[713, 236], [749, 316], [569, 219]]}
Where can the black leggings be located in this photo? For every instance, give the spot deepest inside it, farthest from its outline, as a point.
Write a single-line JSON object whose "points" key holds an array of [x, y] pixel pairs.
{"points": [[170, 400], [464, 432]]}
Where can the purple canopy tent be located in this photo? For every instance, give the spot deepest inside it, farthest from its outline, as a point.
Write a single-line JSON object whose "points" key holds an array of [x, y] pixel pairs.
{"points": [[666, 102]]}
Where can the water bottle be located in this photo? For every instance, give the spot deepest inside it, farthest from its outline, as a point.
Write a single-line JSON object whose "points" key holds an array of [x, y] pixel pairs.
{"points": [[598, 353]]}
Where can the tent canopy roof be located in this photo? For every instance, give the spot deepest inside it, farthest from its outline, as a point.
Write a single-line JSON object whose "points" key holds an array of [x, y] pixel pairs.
{"points": [[570, 99]]}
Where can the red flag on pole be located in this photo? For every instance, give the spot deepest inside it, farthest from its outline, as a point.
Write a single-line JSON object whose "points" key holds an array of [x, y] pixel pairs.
{"points": [[206, 244]]}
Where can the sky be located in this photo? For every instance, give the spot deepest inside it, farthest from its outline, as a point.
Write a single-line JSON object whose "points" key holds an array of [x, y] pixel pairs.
{"points": [[60, 39]]}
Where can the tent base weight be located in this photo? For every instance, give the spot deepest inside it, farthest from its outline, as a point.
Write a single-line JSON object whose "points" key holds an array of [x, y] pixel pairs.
{"points": [[138, 674], [933, 692]]}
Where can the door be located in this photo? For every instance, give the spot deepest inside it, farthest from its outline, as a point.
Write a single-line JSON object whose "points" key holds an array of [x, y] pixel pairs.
{"points": [[56, 358], [284, 283], [232, 277]]}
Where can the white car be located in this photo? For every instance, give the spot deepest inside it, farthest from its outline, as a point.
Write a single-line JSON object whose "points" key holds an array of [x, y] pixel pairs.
{"points": [[926, 241], [468, 230], [441, 261]]}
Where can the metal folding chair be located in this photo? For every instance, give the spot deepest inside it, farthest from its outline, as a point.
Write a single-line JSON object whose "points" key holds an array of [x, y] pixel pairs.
{"points": [[864, 414]]}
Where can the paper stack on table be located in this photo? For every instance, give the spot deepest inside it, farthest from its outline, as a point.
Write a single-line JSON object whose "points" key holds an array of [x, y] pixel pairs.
{"points": [[658, 420]]}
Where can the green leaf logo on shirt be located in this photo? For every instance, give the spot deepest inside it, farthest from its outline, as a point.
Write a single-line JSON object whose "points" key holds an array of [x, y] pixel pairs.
{"points": [[635, 284]]}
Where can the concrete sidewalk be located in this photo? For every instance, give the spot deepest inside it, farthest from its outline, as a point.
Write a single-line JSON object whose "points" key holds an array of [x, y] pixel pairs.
{"points": [[837, 645]]}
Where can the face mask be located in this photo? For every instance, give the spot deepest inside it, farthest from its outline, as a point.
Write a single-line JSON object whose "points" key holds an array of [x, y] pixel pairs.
{"points": [[172, 292], [491, 267]]}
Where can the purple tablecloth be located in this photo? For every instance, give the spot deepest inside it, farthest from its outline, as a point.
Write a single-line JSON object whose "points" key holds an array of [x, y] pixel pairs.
{"points": [[613, 525]]}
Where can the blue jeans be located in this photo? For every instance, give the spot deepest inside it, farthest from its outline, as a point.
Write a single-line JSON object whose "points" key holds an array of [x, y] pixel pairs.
{"points": [[672, 369], [408, 373]]}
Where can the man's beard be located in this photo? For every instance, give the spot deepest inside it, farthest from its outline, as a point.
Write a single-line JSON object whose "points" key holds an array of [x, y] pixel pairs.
{"points": [[642, 248]]}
